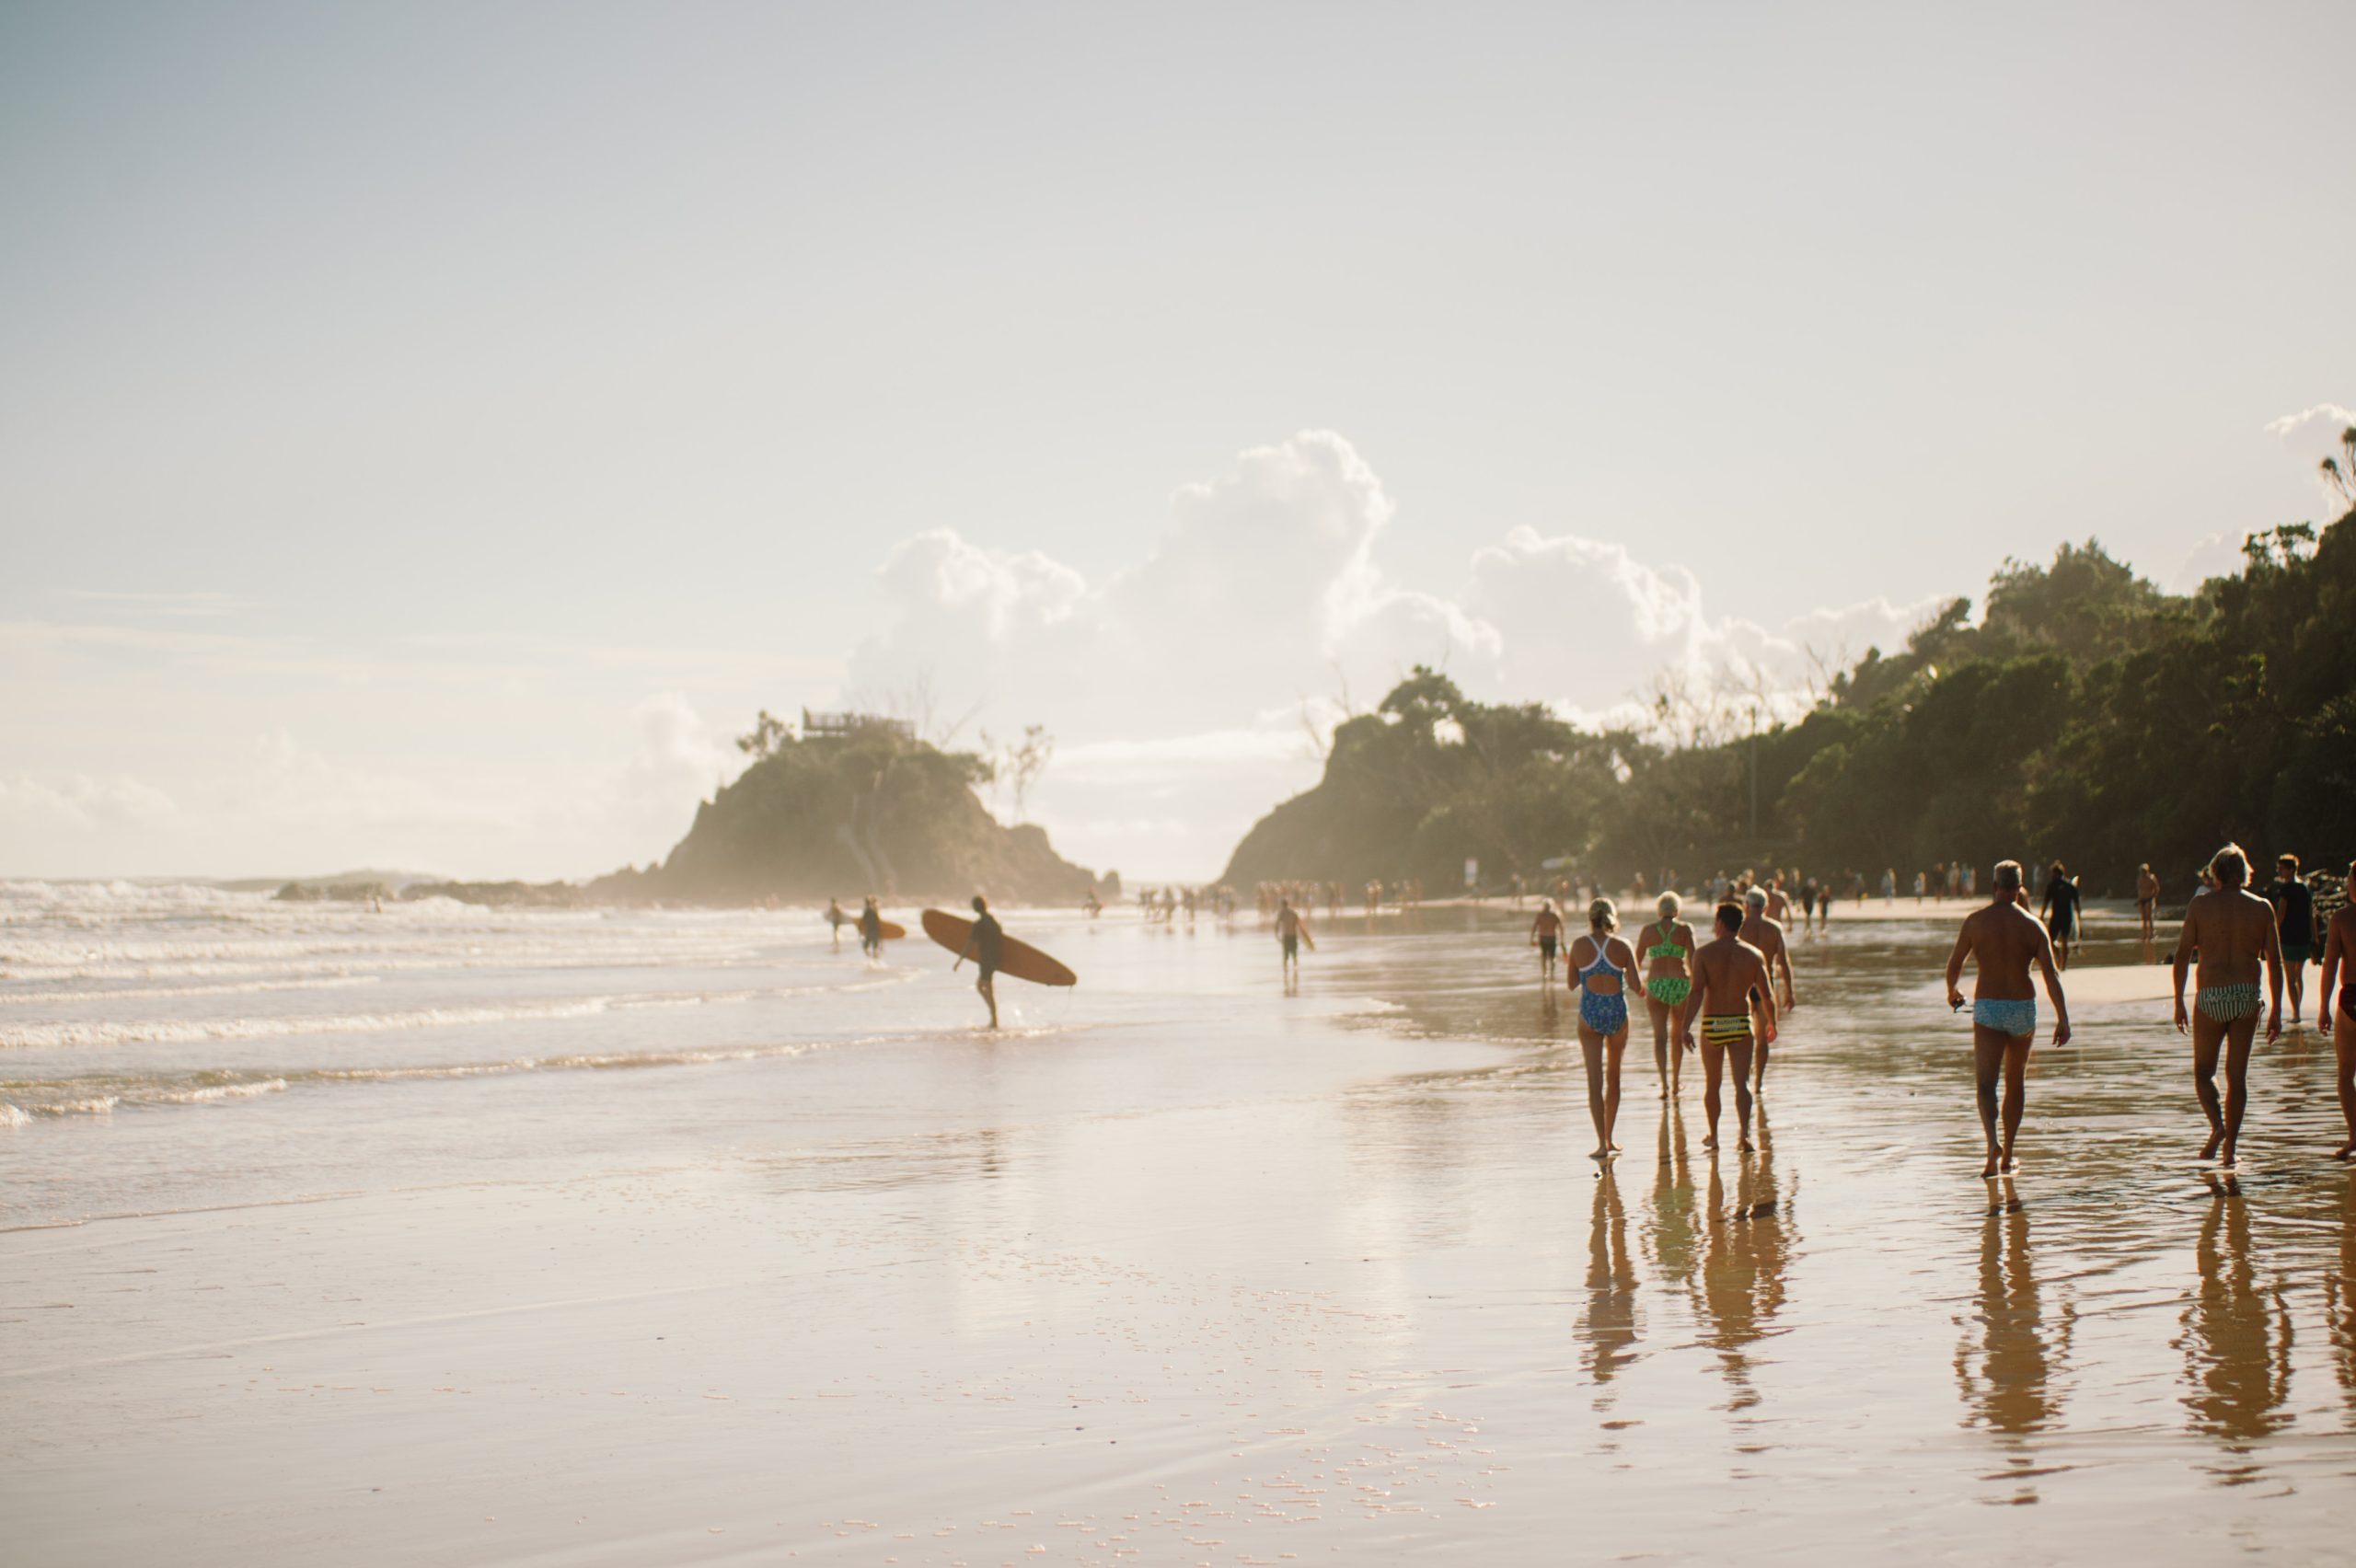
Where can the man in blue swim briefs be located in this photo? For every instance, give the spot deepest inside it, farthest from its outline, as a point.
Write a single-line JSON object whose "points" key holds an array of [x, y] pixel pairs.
{"points": [[2229, 931], [2003, 939]]}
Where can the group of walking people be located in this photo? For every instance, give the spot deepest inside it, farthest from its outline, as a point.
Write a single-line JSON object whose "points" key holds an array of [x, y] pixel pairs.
{"points": [[1727, 996]]}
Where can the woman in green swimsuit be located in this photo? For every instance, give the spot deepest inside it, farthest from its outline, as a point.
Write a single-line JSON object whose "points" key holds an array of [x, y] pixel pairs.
{"points": [[1666, 946]]}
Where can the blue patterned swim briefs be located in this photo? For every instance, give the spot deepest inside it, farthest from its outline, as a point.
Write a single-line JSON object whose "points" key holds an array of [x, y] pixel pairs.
{"points": [[2006, 1016]]}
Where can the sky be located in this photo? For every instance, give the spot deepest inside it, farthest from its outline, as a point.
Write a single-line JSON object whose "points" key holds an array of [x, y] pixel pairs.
{"points": [[428, 434]]}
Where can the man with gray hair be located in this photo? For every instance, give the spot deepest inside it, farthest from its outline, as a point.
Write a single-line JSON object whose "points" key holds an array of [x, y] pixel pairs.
{"points": [[1764, 931], [2230, 932], [2003, 939]]}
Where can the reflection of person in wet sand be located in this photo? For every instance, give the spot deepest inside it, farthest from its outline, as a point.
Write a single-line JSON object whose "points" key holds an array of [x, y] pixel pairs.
{"points": [[1726, 969], [1292, 931], [1764, 931], [986, 947], [2015, 1360], [1609, 1324], [1668, 943], [1742, 1272], [1546, 934], [2236, 1342], [2004, 940], [2231, 932], [1603, 962], [2335, 1007]]}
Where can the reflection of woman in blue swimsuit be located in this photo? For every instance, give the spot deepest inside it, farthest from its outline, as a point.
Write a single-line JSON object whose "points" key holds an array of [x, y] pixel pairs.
{"points": [[1601, 983]]}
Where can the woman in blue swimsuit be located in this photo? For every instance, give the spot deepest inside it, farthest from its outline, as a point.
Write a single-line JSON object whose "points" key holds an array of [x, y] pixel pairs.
{"points": [[1601, 963]]}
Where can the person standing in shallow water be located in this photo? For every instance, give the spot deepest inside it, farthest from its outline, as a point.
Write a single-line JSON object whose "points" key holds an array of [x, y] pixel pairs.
{"points": [[2147, 903], [871, 929], [986, 947], [1727, 971], [1668, 944], [1291, 930], [1546, 934], [2230, 931], [1603, 963], [2295, 922], [2335, 1009], [2003, 940], [2060, 911]]}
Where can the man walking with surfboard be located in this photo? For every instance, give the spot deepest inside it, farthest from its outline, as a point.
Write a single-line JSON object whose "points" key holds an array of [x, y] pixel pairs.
{"points": [[1292, 931], [986, 947]]}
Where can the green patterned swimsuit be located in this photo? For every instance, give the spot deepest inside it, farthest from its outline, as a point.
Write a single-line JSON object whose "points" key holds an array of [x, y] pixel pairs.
{"points": [[1669, 990]]}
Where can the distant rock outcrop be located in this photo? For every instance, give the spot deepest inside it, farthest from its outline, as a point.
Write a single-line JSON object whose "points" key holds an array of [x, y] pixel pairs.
{"points": [[866, 811]]}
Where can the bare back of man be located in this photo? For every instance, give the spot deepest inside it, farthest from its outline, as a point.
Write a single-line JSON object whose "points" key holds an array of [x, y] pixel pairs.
{"points": [[1727, 971], [2003, 940], [2229, 934]]}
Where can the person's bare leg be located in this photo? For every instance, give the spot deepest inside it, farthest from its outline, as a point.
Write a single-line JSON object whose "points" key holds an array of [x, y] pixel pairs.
{"points": [[2208, 1034], [2297, 974], [2343, 1045], [2015, 1096], [1987, 1061], [1614, 1049], [989, 995], [1663, 1062], [1713, 1057], [1592, 1047], [1740, 1051], [2240, 1035]]}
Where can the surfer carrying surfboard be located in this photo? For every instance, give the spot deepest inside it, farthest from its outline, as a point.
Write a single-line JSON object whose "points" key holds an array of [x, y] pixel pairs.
{"points": [[986, 947], [871, 929], [1292, 931]]}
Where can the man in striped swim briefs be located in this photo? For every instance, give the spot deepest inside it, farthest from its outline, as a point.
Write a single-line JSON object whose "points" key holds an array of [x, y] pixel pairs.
{"points": [[2003, 939], [1726, 972], [2229, 933]]}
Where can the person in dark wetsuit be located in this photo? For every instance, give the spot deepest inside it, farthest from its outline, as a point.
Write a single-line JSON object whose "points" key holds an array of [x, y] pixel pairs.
{"points": [[2294, 919], [984, 947], [2060, 912], [871, 929]]}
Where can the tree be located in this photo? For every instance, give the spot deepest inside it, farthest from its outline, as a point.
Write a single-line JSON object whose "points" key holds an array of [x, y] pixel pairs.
{"points": [[1015, 766]]}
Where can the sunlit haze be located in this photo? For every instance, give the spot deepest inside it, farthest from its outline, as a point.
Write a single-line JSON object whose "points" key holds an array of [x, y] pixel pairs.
{"points": [[429, 433]]}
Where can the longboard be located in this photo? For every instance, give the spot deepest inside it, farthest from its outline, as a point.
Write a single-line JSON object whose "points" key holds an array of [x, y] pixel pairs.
{"points": [[890, 931], [1018, 958]]}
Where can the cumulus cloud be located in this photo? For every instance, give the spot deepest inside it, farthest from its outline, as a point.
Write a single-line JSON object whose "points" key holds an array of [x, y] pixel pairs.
{"points": [[2313, 434]]}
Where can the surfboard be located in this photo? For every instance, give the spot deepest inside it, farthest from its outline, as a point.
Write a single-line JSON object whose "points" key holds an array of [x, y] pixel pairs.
{"points": [[1018, 958], [891, 930]]}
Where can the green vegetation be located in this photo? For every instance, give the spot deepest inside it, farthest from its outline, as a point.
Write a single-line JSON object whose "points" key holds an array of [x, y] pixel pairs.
{"points": [[2088, 717], [868, 810]]}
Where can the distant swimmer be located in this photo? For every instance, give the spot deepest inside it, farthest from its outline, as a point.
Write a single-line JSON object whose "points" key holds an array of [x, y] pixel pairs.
{"points": [[2294, 921], [2004, 940], [986, 947], [1669, 946], [2336, 1010], [1762, 931], [2147, 905], [2230, 932], [1604, 962], [871, 930], [1546, 934], [1727, 971], [2060, 911], [1292, 931], [837, 919]]}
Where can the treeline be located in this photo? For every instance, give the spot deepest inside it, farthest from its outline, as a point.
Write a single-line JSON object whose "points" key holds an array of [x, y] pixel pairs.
{"points": [[2088, 717]]}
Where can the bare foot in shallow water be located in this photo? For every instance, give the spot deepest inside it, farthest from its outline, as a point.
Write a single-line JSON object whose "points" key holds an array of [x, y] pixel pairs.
{"points": [[1747, 1146], [1988, 1171], [2345, 1150], [1710, 1142], [2208, 1149], [1602, 1155], [2010, 1164], [2227, 1158]]}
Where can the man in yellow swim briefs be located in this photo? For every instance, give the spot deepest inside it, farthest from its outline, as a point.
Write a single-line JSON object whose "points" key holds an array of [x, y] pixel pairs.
{"points": [[1726, 971]]}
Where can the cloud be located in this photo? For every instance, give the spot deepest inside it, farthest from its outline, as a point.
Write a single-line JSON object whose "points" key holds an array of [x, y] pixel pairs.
{"points": [[2311, 435], [29, 805]]}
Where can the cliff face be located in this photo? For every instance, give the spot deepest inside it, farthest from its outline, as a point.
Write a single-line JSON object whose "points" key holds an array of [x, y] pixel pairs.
{"points": [[871, 811]]}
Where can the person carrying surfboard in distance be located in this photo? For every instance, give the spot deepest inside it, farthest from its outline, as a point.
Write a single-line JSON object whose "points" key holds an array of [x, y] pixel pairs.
{"points": [[984, 947], [2003, 939], [1546, 934], [837, 919], [1727, 972], [871, 930], [1292, 931]]}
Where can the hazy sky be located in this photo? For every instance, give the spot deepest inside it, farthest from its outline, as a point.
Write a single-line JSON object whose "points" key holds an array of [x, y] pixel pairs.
{"points": [[427, 432]]}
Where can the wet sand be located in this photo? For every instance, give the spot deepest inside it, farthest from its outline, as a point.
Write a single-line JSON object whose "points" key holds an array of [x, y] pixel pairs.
{"points": [[1192, 1270]]}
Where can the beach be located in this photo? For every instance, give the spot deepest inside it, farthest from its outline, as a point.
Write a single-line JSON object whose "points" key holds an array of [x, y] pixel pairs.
{"points": [[604, 1237]]}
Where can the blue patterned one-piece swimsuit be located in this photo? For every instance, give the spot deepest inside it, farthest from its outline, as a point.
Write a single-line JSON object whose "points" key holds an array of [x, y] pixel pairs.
{"points": [[1606, 1012]]}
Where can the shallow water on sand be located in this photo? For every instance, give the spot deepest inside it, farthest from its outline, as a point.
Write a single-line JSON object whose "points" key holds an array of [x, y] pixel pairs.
{"points": [[591, 1239]]}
